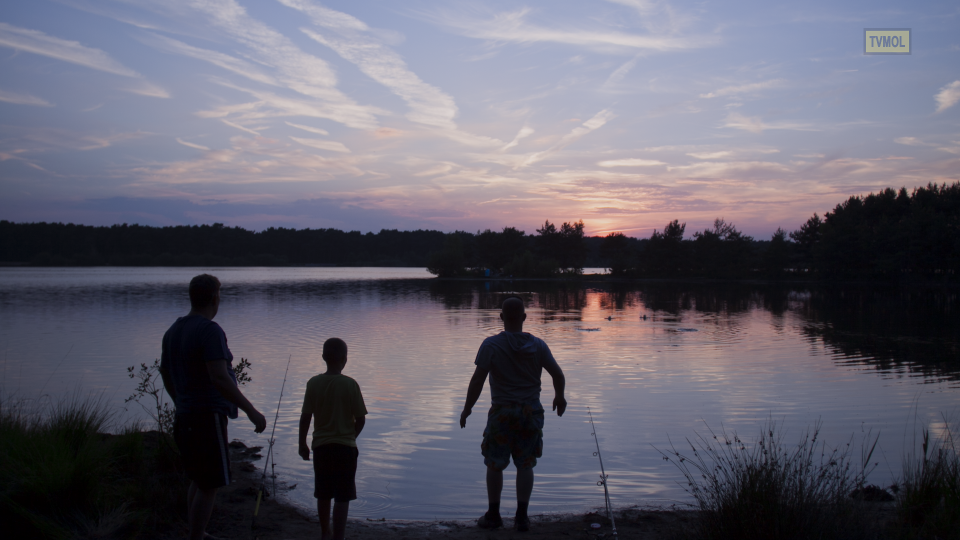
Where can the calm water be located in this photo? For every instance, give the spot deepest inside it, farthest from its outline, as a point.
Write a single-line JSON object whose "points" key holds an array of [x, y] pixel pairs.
{"points": [[860, 359]]}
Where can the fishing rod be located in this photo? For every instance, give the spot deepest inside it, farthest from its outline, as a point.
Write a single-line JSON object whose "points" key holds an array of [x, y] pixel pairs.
{"points": [[270, 461], [603, 476]]}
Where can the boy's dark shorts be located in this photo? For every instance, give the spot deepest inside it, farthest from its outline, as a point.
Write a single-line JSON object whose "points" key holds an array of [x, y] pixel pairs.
{"points": [[516, 430], [335, 471], [201, 438]]}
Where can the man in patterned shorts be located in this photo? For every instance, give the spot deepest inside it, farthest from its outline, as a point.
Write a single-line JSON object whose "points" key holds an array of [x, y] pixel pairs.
{"points": [[514, 360]]}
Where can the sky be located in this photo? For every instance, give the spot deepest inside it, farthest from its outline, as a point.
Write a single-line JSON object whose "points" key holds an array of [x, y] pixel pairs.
{"points": [[449, 115]]}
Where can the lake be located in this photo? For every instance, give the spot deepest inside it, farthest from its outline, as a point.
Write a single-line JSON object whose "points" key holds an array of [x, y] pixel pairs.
{"points": [[860, 359]]}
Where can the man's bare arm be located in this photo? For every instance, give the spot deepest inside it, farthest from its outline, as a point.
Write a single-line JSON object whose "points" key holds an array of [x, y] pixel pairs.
{"points": [[217, 369], [473, 393], [304, 429], [559, 383], [358, 424]]}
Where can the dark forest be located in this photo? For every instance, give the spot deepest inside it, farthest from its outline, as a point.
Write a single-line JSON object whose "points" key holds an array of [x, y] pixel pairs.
{"points": [[892, 235]]}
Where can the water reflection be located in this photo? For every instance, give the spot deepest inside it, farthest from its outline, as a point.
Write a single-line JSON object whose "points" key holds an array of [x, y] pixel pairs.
{"points": [[651, 360]]}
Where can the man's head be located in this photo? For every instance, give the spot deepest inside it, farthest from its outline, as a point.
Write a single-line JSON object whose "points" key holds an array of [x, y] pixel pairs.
{"points": [[334, 351], [512, 313], [204, 292]]}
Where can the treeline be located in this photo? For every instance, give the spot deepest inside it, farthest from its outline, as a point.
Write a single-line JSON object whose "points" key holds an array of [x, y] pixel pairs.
{"points": [[890, 235]]}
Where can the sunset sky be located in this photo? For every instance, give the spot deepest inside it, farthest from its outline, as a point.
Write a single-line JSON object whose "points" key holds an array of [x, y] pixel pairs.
{"points": [[452, 115]]}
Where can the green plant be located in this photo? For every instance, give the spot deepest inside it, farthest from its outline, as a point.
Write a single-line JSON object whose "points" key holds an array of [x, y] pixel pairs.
{"points": [[928, 498], [151, 384], [769, 490]]}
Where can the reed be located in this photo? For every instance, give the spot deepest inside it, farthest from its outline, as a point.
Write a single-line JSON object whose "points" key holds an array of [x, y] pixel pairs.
{"points": [[62, 476], [770, 490], [928, 498]]}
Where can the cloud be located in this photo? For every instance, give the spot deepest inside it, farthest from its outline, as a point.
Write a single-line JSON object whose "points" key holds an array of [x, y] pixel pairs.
{"points": [[633, 162], [309, 129], [524, 132], [428, 105], [744, 88], [512, 27], [710, 155], [948, 96], [320, 144], [225, 61], [911, 141], [148, 89], [23, 99], [192, 145], [294, 69], [755, 124], [37, 42], [621, 72], [592, 124]]}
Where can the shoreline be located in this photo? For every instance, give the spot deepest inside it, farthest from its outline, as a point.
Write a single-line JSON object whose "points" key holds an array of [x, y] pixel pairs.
{"points": [[278, 520]]}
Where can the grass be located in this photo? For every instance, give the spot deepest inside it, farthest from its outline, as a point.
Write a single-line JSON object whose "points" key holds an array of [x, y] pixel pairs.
{"points": [[62, 476], [771, 490], [928, 498]]}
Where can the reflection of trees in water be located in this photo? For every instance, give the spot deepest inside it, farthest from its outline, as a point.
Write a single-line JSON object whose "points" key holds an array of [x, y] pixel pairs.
{"points": [[914, 330], [892, 329]]}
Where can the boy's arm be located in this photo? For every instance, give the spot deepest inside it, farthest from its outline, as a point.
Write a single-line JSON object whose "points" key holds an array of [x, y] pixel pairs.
{"points": [[304, 429], [473, 394], [358, 423]]}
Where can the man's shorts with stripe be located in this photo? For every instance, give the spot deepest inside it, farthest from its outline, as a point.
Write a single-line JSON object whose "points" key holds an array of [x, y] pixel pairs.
{"points": [[201, 438], [513, 429]]}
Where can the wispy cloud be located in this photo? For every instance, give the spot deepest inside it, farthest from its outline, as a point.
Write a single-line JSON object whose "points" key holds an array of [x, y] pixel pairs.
{"points": [[512, 26], [948, 96], [308, 129], [632, 162], [321, 144], [911, 141], [219, 59], [748, 88], [524, 132], [592, 124], [755, 124], [37, 42], [23, 99], [353, 41], [147, 89], [192, 145]]}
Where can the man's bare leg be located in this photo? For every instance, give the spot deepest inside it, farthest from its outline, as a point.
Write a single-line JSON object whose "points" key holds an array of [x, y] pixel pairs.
{"points": [[524, 490], [494, 488], [323, 511], [200, 506], [340, 510]]}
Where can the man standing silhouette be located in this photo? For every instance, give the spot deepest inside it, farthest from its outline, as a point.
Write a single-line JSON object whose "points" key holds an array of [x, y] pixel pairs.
{"points": [[514, 361], [196, 371]]}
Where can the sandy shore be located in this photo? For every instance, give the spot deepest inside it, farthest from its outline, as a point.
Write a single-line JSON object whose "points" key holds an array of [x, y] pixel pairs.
{"points": [[233, 515]]}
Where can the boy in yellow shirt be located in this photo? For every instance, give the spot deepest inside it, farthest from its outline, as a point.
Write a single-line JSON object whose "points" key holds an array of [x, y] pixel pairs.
{"points": [[333, 401]]}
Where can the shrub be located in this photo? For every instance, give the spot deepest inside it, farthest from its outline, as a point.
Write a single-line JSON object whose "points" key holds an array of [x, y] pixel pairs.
{"points": [[928, 498]]}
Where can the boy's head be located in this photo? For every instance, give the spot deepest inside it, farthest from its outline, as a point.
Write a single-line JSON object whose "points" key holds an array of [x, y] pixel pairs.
{"points": [[334, 351]]}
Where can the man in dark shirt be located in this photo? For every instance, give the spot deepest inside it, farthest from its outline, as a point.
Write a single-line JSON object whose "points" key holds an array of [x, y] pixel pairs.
{"points": [[514, 361], [196, 368]]}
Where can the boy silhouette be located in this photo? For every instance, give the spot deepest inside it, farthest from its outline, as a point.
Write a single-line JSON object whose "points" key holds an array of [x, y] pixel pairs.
{"points": [[334, 402]]}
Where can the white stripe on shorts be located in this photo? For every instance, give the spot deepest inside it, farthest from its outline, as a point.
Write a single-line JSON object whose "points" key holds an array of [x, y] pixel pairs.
{"points": [[223, 449]]}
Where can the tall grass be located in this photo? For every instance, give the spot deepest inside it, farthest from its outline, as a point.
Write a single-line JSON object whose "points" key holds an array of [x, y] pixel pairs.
{"points": [[61, 476], [769, 490], [928, 498]]}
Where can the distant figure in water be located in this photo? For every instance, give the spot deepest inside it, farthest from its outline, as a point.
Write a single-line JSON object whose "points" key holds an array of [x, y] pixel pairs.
{"points": [[334, 402], [195, 364], [514, 360]]}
